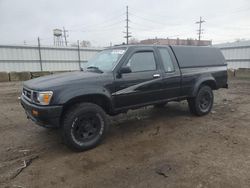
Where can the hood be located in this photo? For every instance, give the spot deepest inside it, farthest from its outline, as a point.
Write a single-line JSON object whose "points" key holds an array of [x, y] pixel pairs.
{"points": [[52, 81]]}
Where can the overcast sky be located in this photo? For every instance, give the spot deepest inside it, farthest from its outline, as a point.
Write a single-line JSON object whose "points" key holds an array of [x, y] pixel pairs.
{"points": [[102, 22]]}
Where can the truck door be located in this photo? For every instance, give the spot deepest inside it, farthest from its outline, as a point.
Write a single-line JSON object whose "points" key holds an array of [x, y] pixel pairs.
{"points": [[171, 75], [143, 83]]}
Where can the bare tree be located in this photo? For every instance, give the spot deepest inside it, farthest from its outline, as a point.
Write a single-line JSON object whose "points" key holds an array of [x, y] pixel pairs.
{"points": [[85, 43], [134, 41]]}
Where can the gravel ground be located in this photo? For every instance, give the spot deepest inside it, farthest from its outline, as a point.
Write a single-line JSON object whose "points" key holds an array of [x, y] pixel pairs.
{"points": [[145, 148]]}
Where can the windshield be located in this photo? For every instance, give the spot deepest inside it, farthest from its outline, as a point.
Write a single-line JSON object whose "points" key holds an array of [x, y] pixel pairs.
{"points": [[105, 60]]}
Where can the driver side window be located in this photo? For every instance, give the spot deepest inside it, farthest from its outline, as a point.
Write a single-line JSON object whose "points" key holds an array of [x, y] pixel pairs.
{"points": [[142, 61]]}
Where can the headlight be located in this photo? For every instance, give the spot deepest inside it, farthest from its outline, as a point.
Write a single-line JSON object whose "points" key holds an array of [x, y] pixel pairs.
{"points": [[43, 97]]}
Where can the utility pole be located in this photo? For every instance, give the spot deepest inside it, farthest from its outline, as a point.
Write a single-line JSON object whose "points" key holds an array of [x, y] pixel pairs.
{"points": [[200, 29], [40, 55], [79, 54], [127, 36], [65, 36]]}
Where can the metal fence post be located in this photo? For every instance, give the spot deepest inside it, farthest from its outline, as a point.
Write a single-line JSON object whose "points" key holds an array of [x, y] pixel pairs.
{"points": [[40, 55], [79, 55]]}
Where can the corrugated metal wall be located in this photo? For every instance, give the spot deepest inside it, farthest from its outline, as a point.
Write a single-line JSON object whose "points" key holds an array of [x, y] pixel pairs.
{"points": [[26, 58], [237, 57], [237, 54]]}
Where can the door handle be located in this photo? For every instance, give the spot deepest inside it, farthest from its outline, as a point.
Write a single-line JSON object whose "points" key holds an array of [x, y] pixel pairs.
{"points": [[156, 76]]}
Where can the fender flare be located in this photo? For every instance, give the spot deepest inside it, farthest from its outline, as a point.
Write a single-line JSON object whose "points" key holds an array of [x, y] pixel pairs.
{"points": [[67, 95], [202, 80]]}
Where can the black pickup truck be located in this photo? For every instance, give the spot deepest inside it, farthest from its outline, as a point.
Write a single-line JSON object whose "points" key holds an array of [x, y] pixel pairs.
{"points": [[122, 78]]}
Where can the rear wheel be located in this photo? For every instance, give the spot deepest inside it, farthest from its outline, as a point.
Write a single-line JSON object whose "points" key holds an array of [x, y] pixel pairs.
{"points": [[203, 102], [84, 126]]}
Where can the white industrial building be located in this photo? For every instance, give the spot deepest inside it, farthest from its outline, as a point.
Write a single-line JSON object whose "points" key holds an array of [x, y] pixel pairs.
{"points": [[237, 54]]}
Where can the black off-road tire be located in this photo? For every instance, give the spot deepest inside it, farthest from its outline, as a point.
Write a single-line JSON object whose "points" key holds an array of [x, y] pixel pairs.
{"points": [[160, 105], [203, 102], [79, 123]]}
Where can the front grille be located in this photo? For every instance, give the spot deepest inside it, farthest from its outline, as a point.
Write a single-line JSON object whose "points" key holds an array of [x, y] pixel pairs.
{"points": [[27, 94]]}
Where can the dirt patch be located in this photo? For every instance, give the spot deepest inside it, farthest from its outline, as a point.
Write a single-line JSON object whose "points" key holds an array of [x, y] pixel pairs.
{"points": [[145, 148]]}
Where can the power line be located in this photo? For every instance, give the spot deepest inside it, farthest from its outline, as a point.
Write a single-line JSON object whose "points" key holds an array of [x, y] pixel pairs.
{"points": [[200, 29], [140, 26], [99, 28], [164, 15], [148, 20], [103, 23], [127, 36]]}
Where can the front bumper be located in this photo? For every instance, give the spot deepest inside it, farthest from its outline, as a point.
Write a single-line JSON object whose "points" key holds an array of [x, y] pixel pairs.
{"points": [[46, 116]]}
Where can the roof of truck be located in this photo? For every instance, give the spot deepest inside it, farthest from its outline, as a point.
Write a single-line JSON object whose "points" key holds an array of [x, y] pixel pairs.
{"points": [[191, 56], [156, 45]]}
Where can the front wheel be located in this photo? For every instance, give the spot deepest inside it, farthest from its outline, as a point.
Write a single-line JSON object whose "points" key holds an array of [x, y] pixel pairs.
{"points": [[203, 102], [84, 126]]}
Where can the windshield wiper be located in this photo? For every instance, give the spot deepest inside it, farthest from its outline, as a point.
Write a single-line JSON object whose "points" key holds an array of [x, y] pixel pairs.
{"points": [[96, 68]]}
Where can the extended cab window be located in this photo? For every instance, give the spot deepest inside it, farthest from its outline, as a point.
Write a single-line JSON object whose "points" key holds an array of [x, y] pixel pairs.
{"points": [[166, 59], [142, 61]]}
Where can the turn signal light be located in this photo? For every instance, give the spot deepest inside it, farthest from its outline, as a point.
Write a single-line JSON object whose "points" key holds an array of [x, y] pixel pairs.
{"points": [[34, 112]]}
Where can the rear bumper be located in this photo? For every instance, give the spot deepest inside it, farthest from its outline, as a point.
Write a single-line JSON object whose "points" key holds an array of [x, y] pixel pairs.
{"points": [[47, 116]]}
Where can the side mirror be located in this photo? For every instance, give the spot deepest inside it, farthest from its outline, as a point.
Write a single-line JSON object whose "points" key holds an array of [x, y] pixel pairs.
{"points": [[125, 70]]}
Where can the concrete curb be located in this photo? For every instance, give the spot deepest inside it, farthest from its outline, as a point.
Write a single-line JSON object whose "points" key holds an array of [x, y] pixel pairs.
{"points": [[19, 76], [39, 74], [4, 77]]}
